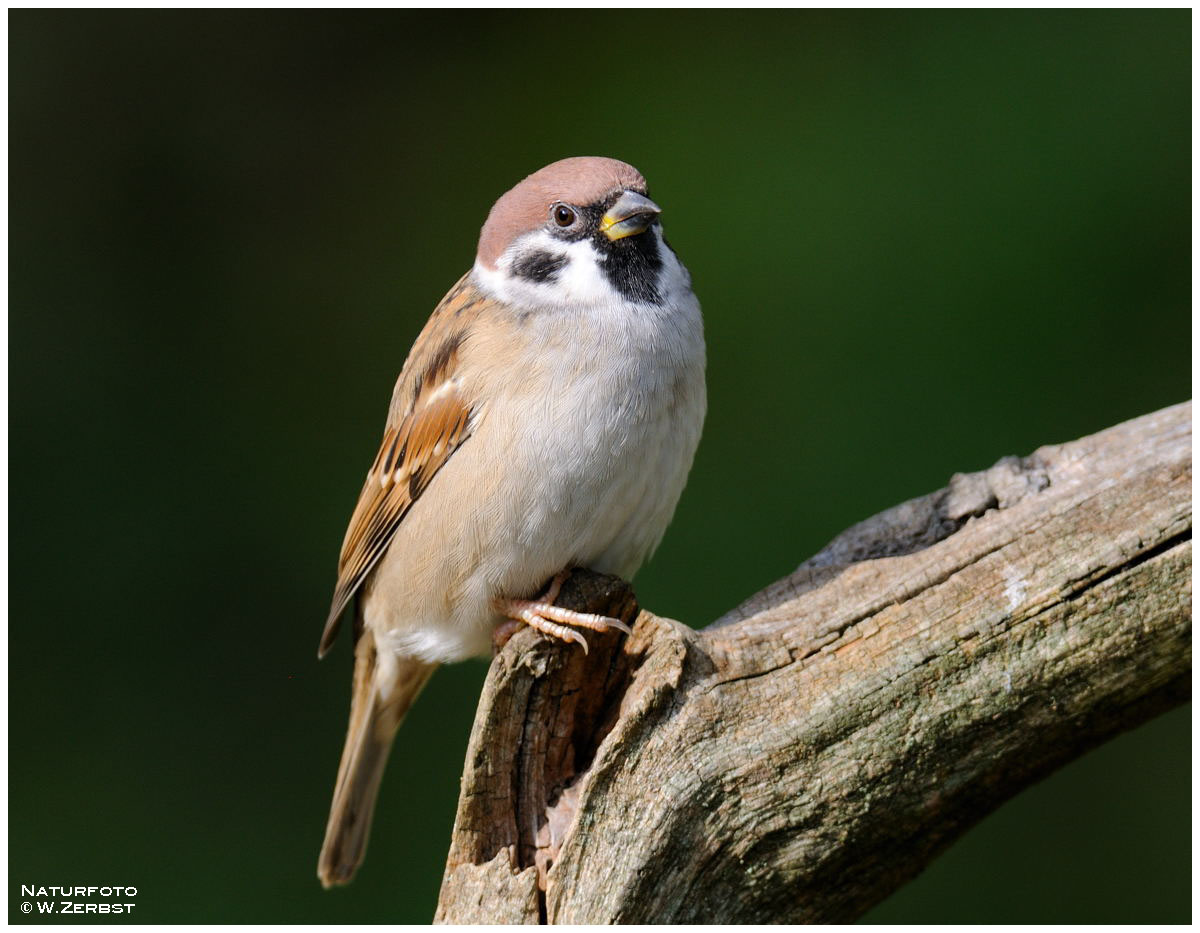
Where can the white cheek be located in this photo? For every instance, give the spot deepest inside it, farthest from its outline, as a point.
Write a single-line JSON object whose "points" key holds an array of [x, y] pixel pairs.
{"points": [[578, 282]]}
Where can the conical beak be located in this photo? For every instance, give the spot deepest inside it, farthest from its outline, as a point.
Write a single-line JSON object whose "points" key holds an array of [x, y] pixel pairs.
{"points": [[632, 213]]}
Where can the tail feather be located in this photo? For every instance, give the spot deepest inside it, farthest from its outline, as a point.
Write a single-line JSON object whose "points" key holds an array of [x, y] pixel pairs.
{"points": [[376, 710]]}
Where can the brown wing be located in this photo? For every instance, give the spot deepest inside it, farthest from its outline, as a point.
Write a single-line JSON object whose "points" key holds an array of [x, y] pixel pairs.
{"points": [[429, 419]]}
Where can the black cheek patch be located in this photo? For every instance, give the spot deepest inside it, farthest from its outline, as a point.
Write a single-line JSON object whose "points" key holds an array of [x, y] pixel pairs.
{"points": [[539, 266]]}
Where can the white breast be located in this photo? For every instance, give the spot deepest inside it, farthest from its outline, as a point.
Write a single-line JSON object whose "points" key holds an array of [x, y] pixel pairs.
{"points": [[617, 425]]}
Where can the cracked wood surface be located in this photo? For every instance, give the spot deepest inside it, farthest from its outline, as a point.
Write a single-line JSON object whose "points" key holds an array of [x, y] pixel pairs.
{"points": [[815, 747]]}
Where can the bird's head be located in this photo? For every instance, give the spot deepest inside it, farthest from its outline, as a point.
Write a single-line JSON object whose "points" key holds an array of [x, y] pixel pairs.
{"points": [[580, 232]]}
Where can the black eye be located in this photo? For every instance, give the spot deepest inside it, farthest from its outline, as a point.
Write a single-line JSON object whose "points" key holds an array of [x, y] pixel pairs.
{"points": [[563, 215]]}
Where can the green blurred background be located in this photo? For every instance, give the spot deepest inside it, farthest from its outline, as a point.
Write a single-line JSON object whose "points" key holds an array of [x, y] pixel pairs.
{"points": [[922, 241]]}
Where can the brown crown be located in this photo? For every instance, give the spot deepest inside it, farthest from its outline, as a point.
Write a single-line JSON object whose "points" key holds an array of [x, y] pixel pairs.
{"points": [[581, 181]]}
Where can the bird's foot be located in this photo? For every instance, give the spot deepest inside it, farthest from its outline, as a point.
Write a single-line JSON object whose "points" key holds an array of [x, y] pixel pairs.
{"points": [[549, 619]]}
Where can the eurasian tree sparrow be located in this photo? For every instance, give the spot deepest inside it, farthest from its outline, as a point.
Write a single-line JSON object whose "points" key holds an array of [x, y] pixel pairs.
{"points": [[545, 418]]}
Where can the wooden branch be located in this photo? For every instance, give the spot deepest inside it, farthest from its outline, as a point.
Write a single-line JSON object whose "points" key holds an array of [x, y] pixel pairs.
{"points": [[814, 748]]}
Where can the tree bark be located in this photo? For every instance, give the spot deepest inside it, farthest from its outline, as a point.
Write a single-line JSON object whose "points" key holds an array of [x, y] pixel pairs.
{"points": [[810, 751]]}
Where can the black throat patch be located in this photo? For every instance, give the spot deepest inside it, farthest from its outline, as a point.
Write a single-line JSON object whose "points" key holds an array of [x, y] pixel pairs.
{"points": [[631, 265]]}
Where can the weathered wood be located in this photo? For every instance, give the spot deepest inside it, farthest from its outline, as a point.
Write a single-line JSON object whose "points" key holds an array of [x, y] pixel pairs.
{"points": [[814, 748]]}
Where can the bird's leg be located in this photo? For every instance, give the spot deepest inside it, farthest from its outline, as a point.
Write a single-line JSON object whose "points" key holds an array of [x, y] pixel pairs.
{"points": [[502, 633], [554, 588], [549, 619]]}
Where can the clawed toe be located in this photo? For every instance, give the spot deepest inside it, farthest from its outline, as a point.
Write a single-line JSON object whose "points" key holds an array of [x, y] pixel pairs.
{"points": [[555, 621]]}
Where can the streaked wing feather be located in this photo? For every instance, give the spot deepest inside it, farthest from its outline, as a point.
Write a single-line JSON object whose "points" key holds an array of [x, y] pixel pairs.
{"points": [[429, 420]]}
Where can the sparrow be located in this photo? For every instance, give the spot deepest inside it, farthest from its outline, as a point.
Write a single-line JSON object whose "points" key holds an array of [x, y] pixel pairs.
{"points": [[546, 418]]}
